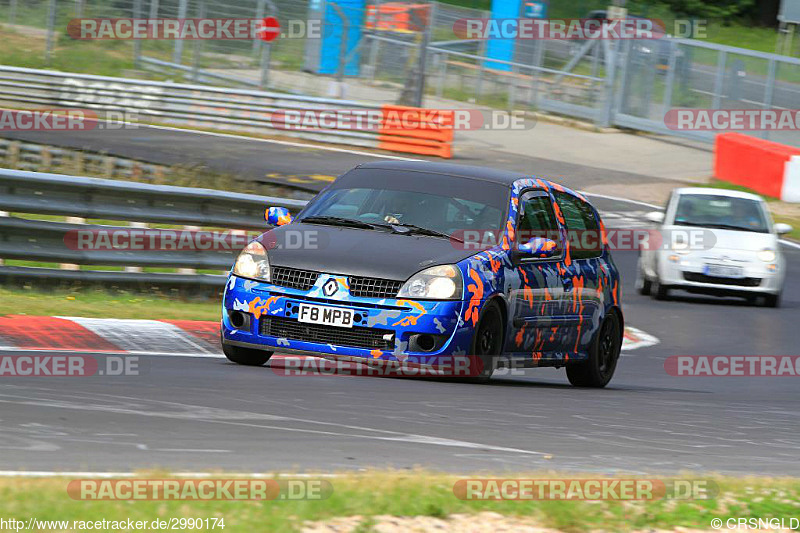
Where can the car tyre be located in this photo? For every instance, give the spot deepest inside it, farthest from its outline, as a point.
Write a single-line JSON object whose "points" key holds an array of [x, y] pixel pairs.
{"points": [[487, 341], [246, 356], [772, 300], [643, 285], [658, 290], [598, 369]]}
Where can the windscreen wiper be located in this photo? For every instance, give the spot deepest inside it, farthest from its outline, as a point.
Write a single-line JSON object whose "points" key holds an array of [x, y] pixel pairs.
{"points": [[339, 221], [419, 230]]}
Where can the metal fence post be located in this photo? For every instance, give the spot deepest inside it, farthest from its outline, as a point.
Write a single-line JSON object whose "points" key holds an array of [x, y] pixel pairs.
{"points": [[441, 60], [78, 8], [615, 96], [12, 12], [178, 52], [669, 83], [419, 94], [265, 56], [197, 46], [374, 49], [137, 43], [51, 25], [153, 9], [535, 72], [719, 79], [769, 91], [258, 43]]}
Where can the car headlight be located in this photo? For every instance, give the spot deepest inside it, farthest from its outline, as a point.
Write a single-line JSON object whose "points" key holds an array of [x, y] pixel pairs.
{"points": [[437, 283], [252, 262], [767, 255], [680, 247]]}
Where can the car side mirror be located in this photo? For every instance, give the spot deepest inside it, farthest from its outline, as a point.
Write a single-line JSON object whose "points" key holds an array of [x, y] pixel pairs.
{"points": [[782, 229], [538, 247], [277, 216], [655, 216]]}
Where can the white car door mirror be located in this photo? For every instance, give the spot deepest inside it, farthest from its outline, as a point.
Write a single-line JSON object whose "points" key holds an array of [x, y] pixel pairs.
{"points": [[655, 216], [782, 229]]}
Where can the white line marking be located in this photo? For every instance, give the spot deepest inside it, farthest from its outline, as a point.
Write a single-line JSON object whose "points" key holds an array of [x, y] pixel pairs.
{"points": [[618, 198], [276, 141], [210, 415]]}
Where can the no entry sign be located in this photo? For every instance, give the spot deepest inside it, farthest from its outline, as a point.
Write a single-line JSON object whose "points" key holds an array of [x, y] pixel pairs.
{"points": [[270, 29]]}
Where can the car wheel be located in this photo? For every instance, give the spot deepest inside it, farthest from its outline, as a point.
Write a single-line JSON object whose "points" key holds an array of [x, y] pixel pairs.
{"points": [[772, 300], [245, 356], [643, 285], [598, 369], [487, 342], [659, 291]]}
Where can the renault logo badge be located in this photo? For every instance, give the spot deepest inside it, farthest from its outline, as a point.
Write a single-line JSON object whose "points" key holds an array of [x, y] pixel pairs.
{"points": [[330, 287]]}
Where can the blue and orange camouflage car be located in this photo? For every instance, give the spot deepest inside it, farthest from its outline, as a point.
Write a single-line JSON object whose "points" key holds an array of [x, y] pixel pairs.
{"points": [[415, 261]]}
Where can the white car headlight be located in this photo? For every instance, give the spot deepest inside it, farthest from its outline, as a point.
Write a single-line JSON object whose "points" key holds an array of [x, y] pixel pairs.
{"points": [[252, 262], [767, 255], [437, 283], [680, 247]]}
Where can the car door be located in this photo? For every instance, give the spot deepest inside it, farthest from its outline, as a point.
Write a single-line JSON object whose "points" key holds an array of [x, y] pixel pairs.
{"points": [[584, 272], [537, 297]]}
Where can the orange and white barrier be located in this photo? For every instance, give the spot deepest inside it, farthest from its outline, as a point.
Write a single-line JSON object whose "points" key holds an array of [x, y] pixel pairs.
{"points": [[767, 167], [417, 131]]}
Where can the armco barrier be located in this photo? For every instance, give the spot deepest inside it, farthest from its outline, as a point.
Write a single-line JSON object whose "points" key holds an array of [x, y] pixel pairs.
{"points": [[218, 108], [46, 241], [756, 164]]}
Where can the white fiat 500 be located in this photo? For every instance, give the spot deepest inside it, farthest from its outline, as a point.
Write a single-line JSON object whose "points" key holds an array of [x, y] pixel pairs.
{"points": [[717, 242]]}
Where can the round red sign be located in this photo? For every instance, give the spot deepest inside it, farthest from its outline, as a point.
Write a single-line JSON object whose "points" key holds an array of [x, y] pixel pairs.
{"points": [[270, 29]]}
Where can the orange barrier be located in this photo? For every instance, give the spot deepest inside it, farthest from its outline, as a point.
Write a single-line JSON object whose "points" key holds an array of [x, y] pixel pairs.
{"points": [[398, 16], [416, 131], [750, 162]]}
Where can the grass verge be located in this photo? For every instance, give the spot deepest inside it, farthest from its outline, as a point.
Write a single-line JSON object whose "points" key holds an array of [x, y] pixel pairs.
{"points": [[102, 304], [371, 495]]}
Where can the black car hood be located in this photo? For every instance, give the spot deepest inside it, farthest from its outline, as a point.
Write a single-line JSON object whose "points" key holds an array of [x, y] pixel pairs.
{"points": [[358, 252]]}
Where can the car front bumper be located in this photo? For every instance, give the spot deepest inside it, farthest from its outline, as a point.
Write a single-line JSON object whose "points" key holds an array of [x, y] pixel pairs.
{"points": [[387, 328], [689, 273]]}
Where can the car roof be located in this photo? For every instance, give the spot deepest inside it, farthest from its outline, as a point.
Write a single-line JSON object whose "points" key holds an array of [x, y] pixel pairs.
{"points": [[719, 192], [464, 171]]}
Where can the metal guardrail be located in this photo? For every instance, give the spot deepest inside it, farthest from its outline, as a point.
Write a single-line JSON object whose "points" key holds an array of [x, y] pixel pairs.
{"points": [[76, 196], [197, 106]]}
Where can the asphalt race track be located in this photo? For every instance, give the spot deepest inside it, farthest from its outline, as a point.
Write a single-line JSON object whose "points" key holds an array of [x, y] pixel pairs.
{"points": [[291, 164], [203, 414]]}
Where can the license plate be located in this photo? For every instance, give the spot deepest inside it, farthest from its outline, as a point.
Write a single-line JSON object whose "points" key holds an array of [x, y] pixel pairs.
{"points": [[724, 271], [323, 314]]}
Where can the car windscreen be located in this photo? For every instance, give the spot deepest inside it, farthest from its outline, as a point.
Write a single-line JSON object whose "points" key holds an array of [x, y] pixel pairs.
{"points": [[446, 204], [722, 212]]}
